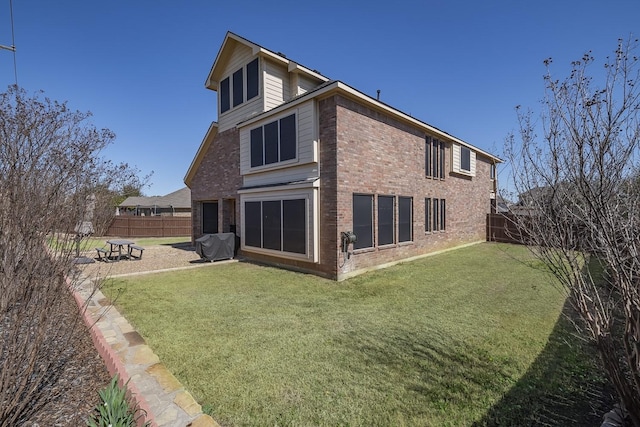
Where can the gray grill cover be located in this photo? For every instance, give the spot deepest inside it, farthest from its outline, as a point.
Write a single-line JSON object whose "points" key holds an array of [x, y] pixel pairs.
{"points": [[214, 247]]}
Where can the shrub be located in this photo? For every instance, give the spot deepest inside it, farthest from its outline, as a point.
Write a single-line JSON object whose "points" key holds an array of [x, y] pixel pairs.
{"points": [[115, 409]]}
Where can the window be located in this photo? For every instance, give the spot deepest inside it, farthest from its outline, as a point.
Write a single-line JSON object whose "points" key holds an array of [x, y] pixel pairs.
{"points": [[277, 225], [386, 223], [434, 157], [274, 142], [441, 159], [435, 214], [427, 215], [465, 159], [238, 88], [294, 226], [253, 224], [363, 220], [224, 95], [253, 77], [492, 171], [288, 138], [209, 217], [232, 89], [271, 143], [271, 225], [427, 155], [405, 208]]}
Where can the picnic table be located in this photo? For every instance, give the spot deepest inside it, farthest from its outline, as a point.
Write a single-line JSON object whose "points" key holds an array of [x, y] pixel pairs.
{"points": [[117, 246], [120, 249]]}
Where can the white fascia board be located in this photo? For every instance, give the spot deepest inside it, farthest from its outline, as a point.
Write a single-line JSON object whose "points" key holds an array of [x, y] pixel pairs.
{"points": [[211, 133], [278, 187]]}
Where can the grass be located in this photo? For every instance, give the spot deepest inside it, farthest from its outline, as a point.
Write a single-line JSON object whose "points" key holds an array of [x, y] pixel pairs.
{"points": [[457, 339]]}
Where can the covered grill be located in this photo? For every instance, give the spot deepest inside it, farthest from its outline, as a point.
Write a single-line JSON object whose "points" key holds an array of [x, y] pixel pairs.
{"points": [[214, 247]]}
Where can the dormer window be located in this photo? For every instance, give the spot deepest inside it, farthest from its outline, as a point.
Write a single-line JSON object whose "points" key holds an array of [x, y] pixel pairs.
{"points": [[239, 87]]}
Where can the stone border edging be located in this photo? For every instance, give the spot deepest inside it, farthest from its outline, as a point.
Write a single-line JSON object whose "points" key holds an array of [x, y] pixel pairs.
{"points": [[111, 360], [175, 403]]}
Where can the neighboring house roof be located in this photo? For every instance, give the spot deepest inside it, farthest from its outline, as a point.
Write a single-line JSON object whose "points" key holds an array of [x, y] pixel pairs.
{"points": [[178, 199], [325, 89]]}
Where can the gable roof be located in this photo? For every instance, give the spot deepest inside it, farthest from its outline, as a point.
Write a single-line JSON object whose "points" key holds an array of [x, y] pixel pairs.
{"points": [[226, 50], [325, 89], [178, 199]]}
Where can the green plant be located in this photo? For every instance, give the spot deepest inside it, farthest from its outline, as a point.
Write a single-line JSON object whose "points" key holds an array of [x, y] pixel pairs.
{"points": [[115, 409]]}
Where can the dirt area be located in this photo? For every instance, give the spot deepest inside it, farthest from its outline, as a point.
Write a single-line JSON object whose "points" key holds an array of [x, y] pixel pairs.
{"points": [[154, 258], [84, 374], [78, 374]]}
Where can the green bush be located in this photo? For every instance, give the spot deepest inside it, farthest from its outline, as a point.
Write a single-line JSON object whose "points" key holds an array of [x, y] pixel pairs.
{"points": [[115, 410]]}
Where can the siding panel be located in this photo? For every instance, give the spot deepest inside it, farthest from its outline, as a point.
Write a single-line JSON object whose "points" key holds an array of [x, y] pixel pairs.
{"points": [[276, 87], [241, 57], [306, 146]]}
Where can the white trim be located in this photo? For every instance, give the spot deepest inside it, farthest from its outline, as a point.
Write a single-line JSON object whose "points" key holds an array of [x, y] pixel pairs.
{"points": [[456, 160], [276, 118], [245, 81], [297, 186]]}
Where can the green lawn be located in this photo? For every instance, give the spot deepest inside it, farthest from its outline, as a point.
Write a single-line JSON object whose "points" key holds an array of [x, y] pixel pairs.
{"points": [[468, 337]]}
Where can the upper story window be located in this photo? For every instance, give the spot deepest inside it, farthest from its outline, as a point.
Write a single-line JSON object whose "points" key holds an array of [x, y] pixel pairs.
{"points": [[465, 159], [492, 172], [434, 157], [240, 86], [274, 142]]}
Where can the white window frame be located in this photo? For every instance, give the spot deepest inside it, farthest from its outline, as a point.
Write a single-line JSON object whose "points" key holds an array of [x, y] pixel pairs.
{"points": [[456, 154], [311, 197]]}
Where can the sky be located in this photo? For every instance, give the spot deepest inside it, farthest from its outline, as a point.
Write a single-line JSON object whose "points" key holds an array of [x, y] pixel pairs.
{"points": [[139, 66]]}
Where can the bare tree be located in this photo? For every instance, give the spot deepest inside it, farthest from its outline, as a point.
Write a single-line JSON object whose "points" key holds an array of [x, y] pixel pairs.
{"points": [[579, 186], [49, 164]]}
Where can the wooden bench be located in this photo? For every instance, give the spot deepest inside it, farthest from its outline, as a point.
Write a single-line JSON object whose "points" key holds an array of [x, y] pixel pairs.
{"points": [[132, 248], [103, 254]]}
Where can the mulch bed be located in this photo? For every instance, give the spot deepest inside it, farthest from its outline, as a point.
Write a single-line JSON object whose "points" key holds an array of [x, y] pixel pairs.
{"points": [[73, 395]]}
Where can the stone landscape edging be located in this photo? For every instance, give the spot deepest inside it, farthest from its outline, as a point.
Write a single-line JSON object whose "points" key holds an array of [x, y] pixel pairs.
{"points": [[114, 364], [111, 360]]}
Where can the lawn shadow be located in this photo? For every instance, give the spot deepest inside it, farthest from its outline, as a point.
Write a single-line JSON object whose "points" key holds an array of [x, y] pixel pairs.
{"points": [[565, 386]]}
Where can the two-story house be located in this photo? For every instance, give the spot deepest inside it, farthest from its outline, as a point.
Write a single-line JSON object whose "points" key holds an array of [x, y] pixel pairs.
{"points": [[296, 160]]}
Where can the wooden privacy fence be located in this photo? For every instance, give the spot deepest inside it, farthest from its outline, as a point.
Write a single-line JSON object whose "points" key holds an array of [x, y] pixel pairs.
{"points": [[501, 228], [150, 226]]}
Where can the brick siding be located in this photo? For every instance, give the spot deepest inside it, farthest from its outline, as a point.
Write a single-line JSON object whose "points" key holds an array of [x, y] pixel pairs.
{"points": [[361, 151], [379, 155], [217, 178]]}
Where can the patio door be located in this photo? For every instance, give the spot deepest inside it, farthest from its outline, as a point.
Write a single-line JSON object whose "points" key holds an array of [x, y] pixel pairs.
{"points": [[209, 217]]}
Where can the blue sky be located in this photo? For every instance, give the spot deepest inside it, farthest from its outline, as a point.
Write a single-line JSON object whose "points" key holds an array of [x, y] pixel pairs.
{"points": [[139, 66]]}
